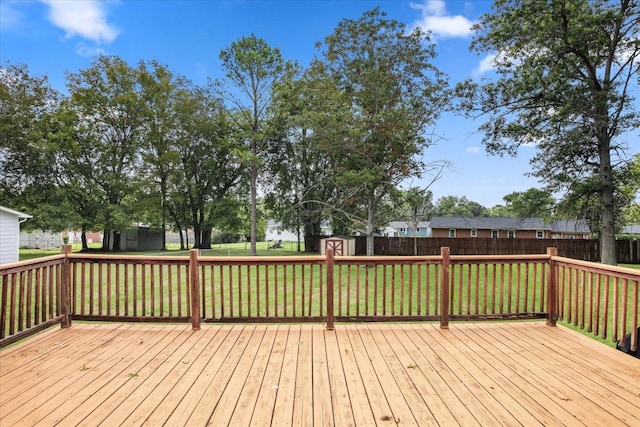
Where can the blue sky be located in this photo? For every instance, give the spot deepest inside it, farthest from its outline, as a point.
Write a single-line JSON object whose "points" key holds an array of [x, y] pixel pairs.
{"points": [[55, 36]]}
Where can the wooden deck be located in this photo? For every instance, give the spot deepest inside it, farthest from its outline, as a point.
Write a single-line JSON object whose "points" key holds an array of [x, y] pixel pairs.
{"points": [[502, 373]]}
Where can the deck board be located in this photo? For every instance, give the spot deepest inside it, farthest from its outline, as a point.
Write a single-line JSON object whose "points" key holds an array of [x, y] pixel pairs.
{"points": [[492, 373]]}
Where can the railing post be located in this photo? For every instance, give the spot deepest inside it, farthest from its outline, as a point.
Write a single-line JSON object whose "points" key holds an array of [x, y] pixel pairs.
{"points": [[552, 289], [194, 282], [65, 288], [444, 291], [330, 263]]}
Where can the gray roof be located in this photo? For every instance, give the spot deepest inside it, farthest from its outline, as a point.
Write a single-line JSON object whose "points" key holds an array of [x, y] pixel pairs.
{"points": [[631, 229], [506, 223], [408, 224]]}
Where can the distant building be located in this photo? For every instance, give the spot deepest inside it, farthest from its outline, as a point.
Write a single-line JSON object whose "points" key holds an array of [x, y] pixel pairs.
{"points": [[405, 229], [275, 231], [508, 228]]}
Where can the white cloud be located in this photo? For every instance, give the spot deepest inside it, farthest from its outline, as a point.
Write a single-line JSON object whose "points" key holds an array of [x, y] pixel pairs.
{"points": [[473, 150], [86, 19], [436, 19], [488, 63], [88, 51]]}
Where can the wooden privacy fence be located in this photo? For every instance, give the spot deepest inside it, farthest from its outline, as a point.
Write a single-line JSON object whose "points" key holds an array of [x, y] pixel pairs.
{"points": [[599, 299], [627, 251]]}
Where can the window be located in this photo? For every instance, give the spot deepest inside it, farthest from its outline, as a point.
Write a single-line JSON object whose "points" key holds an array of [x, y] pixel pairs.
{"points": [[572, 237], [539, 234], [452, 233], [418, 230], [511, 234], [495, 234], [474, 232], [402, 230]]}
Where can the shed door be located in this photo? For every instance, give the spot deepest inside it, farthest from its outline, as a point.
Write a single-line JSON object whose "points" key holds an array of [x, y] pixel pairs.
{"points": [[336, 245]]}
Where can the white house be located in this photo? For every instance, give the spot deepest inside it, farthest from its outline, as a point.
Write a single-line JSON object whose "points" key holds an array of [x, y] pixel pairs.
{"points": [[275, 231], [10, 221]]}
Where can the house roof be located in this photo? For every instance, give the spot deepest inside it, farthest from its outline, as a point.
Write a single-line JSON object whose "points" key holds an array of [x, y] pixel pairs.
{"points": [[14, 212], [507, 223], [408, 224], [631, 229]]}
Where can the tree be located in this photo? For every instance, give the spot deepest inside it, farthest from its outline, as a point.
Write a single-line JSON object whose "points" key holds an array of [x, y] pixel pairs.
{"points": [[391, 94], [533, 202], [298, 178], [565, 72], [252, 68], [209, 167], [160, 91], [418, 206], [459, 206], [107, 100], [27, 108]]}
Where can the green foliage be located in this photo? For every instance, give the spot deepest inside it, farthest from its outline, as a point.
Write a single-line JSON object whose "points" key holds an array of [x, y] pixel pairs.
{"points": [[387, 93], [252, 69], [565, 74], [459, 206]]}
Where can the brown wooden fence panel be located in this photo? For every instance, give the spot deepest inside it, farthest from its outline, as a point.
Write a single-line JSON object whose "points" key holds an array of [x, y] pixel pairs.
{"points": [[628, 251]]}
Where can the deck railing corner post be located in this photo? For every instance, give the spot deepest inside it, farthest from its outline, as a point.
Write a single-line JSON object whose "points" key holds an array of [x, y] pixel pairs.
{"points": [[330, 291], [194, 281], [552, 288], [65, 288], [444, 285]]}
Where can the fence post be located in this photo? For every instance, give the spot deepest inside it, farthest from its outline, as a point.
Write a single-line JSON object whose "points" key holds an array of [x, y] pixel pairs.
{"points": [[65, 288], [330, 262], [194, 282], [552, 288], [444, 291]]}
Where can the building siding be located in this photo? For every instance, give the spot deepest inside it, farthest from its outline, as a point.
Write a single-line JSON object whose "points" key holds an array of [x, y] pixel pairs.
{"points": [[9, 237]]}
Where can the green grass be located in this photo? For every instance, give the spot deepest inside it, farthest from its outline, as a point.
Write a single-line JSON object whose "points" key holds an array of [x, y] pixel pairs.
{"points": [[224, 249]]}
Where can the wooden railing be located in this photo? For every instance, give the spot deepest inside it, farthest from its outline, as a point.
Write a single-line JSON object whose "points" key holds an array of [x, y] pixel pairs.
{"points": [[32, 297], [598, 299]]}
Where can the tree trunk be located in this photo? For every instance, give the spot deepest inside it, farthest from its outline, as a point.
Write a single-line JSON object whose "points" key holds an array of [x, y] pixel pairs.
{"points": [[206, 239], [253, 209], [83, 238], [182, 246], [607, 209], [370, 228], [106, 240]]}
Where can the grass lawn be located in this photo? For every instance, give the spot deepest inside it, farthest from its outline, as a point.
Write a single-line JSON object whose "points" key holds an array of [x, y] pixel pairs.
{"points": [[224, 249]]}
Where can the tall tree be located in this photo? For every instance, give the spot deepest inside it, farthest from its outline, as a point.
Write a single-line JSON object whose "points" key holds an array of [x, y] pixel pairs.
{"points": [[27, 107], [391, 94], [107, 99], [417, 207], [566, 70], [252, 68], [298, 176], [209, 165], [160, 90]]}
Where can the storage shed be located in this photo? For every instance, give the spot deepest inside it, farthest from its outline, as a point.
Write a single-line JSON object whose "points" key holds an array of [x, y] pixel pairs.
{"points": [[10, 221], [341, 245]]}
